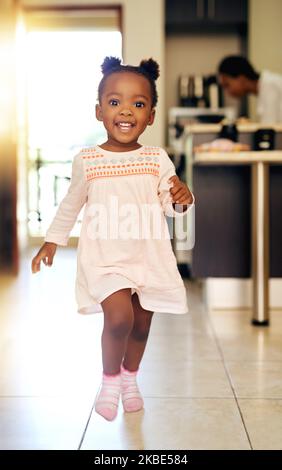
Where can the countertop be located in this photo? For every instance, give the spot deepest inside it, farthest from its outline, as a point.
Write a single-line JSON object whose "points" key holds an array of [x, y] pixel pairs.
{"points": [[247, 127], [225, 158]]}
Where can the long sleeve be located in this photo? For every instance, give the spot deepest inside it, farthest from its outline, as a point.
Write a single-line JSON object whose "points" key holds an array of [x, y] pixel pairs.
{"points": [[69, 208], [167, 169]]}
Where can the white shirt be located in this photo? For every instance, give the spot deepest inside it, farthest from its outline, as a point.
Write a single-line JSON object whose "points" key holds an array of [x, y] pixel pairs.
{"points": [[269, 102]]}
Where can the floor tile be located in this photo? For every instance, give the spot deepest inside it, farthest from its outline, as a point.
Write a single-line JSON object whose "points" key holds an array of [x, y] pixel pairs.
{"points": [[42, 423], [171, 424], [256, 379], [263, 419], [169, 378], [179, 348], [246, 347]]}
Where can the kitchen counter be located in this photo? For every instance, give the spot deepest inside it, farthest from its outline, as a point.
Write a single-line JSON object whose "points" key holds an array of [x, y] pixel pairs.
{"points": [[271, 156], [244, 127]]}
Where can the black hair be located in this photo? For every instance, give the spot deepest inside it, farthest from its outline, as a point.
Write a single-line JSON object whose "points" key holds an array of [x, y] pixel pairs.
{"points": [[148, 68], [235, 65]]}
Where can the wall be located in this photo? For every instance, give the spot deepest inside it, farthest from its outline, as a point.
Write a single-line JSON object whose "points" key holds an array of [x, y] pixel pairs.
{"points": [[265, 37], [143, 28]]}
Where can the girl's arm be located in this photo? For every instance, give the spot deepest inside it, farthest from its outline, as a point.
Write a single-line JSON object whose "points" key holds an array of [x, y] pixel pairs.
{"points": [[69, 208], [167, 197], [65, 217]]}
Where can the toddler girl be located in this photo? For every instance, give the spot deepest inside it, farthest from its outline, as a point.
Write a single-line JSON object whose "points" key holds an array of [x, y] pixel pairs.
{"points": [[128, 278]]}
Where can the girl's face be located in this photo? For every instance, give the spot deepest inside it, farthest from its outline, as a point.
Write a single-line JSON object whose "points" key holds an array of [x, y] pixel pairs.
{"points": [[125, 108]]}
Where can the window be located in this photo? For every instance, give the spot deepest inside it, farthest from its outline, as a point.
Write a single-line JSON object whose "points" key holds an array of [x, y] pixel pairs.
{"points": [[64, 54]]}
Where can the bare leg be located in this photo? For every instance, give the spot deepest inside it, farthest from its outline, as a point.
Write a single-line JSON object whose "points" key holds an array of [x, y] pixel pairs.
{"points": [[137, 339], [118, 323]]}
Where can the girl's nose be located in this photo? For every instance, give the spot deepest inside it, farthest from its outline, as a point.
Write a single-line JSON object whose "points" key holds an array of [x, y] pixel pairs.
{"points": [[126, 112]]}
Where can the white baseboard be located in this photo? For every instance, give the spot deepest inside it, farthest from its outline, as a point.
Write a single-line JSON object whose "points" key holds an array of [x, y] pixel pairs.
{"points": [[237, 293]]}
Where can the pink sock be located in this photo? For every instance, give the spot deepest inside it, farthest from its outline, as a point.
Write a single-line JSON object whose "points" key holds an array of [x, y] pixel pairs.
{"points": [[130, 394], [106, 403]]}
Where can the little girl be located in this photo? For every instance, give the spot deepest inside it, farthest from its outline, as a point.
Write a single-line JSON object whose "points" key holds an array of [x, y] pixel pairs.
{"points": [[128, 279]]}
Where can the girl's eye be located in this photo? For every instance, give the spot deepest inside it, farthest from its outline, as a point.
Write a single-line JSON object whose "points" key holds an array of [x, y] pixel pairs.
{"points": [[139, 104], [113, 102]]}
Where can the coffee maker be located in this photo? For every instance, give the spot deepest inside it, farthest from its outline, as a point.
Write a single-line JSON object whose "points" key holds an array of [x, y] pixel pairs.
{"points": [[197, 91]]}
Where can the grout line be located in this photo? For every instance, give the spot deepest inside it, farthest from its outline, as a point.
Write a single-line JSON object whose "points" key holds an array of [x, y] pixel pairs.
{"points": [[229, 377], [85, 430], [87, 423]]}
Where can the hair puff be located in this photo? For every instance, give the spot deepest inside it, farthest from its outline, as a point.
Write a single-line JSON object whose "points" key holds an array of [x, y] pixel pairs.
{"points": [[151, 67], [110, 63]]}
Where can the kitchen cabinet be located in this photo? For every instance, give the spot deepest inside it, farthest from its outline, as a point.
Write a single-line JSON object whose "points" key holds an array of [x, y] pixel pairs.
{"points": [[223, 203], [179, 12], [231, 11], [206, 16]]}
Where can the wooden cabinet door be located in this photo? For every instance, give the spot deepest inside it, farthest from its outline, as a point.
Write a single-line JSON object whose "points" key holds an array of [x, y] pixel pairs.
{"points": [[179, 12], [229, 12], [205, 15]]}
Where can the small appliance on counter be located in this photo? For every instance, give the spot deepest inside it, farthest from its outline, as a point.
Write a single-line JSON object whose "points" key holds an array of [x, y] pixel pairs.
{"points": [[229, 131], [199, 91], [264, 139]]}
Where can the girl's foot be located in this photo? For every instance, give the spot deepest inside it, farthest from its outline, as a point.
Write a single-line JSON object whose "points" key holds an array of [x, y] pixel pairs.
{"points": [[130, 394], [106, 403]]}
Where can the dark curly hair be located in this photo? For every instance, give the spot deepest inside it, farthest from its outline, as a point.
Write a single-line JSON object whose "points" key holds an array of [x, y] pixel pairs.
{"points": [[235, 65], [148, 68]]}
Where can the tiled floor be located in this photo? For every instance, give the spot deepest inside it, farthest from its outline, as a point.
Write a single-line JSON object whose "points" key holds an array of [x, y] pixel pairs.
{"points": [[209, 381]]}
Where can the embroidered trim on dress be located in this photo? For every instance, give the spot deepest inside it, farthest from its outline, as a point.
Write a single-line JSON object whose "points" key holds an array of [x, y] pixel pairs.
{"points": [[98, 165]]}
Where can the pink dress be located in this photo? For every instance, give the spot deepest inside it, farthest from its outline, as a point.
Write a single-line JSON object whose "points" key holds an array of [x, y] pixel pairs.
{"points": [[123, 242]]}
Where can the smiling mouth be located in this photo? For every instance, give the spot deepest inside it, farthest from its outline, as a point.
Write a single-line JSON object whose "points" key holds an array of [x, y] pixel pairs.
{"points": [[125, 126]]}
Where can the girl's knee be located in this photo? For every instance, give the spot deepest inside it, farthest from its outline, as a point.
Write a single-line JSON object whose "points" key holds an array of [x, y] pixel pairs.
{"points": [[120, 327], [140, 334], [140, 331]]}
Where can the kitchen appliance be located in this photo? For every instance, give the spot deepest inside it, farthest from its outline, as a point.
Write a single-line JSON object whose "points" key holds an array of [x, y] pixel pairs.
{"points": [[199, 91], [229, 131], [264, 139]]}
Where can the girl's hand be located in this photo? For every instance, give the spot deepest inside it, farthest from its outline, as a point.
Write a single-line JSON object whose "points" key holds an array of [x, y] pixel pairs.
{"points": [[46, 254], [180, 192]]}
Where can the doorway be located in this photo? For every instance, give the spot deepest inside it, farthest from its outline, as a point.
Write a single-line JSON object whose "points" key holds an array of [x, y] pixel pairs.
{"points": [[64, 51]]}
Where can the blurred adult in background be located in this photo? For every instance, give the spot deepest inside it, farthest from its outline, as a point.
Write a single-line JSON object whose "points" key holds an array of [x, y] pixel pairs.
{"points": [[239, 78]]}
